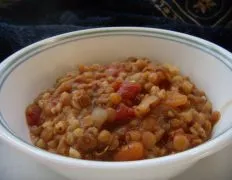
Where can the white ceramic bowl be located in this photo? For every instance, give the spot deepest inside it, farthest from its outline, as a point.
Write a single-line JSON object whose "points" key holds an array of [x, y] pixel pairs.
{"points": [[34, 68]]}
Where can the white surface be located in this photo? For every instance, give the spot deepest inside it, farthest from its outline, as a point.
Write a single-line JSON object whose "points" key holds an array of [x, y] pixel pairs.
{"points": [[17, 166], [35, 74]]}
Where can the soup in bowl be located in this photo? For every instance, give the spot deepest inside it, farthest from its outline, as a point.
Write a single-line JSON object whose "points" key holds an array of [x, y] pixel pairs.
{"points": [[205, 75]]}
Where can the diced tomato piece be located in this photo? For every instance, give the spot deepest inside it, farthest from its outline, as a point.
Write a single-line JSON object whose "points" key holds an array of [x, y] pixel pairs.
{"points": [[116, 85], [124, 113], [33, 115], [129, 90]]}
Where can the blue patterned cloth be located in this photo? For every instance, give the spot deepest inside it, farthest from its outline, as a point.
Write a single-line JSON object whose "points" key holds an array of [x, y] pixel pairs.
{"points": [[210, 13], [23, 22]]}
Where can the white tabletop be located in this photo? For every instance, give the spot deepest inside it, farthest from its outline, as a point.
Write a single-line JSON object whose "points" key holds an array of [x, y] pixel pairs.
{"points": [[17, 166]]}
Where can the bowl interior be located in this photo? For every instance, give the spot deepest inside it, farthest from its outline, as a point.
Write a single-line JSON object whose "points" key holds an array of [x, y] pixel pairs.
{"points": [[39, 71]]}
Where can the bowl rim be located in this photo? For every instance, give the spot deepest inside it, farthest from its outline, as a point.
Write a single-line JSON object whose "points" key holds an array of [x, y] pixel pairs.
{"points": [[194, 154]]}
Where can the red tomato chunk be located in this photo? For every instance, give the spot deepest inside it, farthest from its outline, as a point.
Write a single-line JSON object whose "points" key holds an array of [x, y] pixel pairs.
{"points": [[33, 115], [129, 90], [124, 113]]}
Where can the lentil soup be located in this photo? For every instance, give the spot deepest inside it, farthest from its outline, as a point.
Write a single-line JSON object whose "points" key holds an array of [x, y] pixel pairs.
{"points": [[124, 111]]}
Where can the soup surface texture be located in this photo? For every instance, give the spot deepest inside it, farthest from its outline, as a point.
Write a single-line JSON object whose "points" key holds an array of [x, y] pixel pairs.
{"points": [[124, 111]]}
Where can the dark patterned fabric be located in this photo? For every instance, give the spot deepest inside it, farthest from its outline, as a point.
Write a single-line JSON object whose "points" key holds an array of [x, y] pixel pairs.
{"points": [[23, 22], [200, 12]]}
